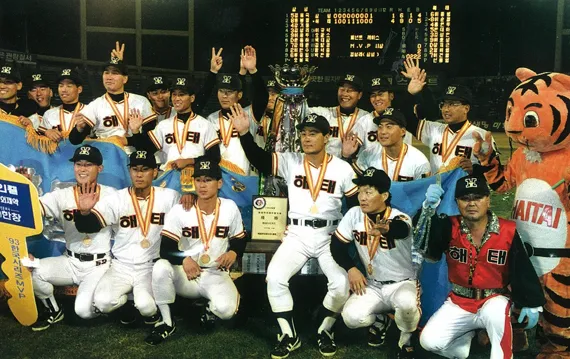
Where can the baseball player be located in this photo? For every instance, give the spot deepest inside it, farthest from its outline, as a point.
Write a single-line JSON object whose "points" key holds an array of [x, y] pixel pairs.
{"points": [[451, 142], [40, 92], [316, 182], [488, 268], [137, 216], [183, 137], [381, 97], [10, 84], [383, 239], [263, 128], [57, 122], [87, 257], [402, 162], [198, 248], [108, 115], [158, 93], [346, 118]]}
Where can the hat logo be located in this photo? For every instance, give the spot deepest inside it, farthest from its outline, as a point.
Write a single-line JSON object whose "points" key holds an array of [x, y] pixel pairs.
{"points": [[349, 78], [226, 79], [471, 183], [451, 90], [181, 81], [389, 111], [115, 60], [6, 70], [311, 118], [158, 80], [205, 165], [84, 151], [141, 154], [37, 77], [270, 83], [377, 81], [65, 72], [369, 172]]}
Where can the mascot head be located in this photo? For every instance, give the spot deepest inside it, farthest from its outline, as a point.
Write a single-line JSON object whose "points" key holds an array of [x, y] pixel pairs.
{"points": [[537, 111]]}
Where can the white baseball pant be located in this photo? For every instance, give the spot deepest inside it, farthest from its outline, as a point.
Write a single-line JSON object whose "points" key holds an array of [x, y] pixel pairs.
{"points": [[65, 270], [213, 284], [403, 297], [119, 281], [450, 330], [300, 244]]}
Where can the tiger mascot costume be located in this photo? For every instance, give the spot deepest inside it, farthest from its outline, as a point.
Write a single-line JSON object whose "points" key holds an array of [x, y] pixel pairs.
{"points": [[537, 121]]}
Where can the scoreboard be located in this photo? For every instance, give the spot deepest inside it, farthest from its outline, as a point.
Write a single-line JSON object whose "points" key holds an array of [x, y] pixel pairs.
{"points": [[369, 35]]}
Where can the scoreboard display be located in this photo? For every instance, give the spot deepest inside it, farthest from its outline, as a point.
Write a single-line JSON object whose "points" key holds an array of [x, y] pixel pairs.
{"points": [[374, 34]]}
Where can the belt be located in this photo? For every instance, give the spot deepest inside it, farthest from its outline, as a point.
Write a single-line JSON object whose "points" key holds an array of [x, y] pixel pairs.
{"points": [[315, 223], [547, 252], [86, 257], [386, 282], [476, 293]]}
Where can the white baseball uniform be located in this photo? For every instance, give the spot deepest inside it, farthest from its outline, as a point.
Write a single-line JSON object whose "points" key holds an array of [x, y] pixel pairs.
{"points": [[109, 118], [230, 146], [36, 120], [68, 269], [341, 125], [410, 165], [58, 118], [445, 145], [302, 242], [213, 283], [134, 253], [161, 116], [392, 283], [184, 140], [371, 131]]}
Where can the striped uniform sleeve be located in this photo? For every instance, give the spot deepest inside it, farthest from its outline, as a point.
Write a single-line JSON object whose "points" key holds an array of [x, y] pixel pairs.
{"points": [[50, 205], [89, 112], [348, 187], [345, 227], [210, 136], [423, 168], [172, 225], [147, 112], [107, 208], [420, 133], [157, 137], [236, 224]]}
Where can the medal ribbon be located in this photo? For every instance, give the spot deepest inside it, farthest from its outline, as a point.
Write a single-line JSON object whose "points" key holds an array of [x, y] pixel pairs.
{"points": [[350, 122], [207, 237], [401, 156], [447, 150], [226, 134], [372, 243], [144, 223], [181, 140], [125, 115], [316, 188], [64, 129]]}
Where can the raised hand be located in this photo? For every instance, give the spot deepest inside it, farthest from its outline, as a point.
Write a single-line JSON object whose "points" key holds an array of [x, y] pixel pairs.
{"points": [[249, 59], [191, 268], [357, 281], [118, 51], [417, 83], [482, 147], [54, 135], [87, 197], [226, 260], [187, 201], [412, 68], [80, 121], [135, 120], [239, 119], [216, 61], [433, 195], [349, 145]]}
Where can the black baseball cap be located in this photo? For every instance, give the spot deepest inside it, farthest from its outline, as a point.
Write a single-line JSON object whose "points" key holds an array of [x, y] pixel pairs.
{"points": [[229, 82], [391, 114], [374, 177], [458, 93], [272, 85], [117, 64], [353, 80], [69, 74], [315, 121], [471, 185], [38, 79], [142, 157], [158, 82], [87, 153], [381, 83], [10, 72], [183, 83], [206, 166]]}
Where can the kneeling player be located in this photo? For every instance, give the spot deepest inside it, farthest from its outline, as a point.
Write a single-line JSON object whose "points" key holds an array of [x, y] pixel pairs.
{"points": [[198, 249], [384, 244]]}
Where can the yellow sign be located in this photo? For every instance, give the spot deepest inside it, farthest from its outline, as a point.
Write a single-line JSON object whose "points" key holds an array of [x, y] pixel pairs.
{"points": [[20, 217]]}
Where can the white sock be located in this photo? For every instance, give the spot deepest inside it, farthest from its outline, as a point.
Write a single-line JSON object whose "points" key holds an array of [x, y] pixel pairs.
{"points": [[327, 324], [405, 339], [165, 313], [51, 304], [285, 327]]}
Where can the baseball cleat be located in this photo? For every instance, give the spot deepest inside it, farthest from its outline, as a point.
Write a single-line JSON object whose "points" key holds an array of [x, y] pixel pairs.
{"points": [[159, 334], [208, 319], [285, 345], [376, 336], [406, 352], [128, 313], [47, 318], [327, 346], [152, 319]]}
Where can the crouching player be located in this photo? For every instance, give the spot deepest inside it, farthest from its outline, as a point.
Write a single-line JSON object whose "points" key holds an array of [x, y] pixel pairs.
{"points": [[198, 248], [384, 245]]}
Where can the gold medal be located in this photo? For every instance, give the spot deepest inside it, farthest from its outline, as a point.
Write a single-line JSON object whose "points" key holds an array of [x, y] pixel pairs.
{"points": [[314, 209], [370, 269], [87, 241], [145, 243], [204, 259]]}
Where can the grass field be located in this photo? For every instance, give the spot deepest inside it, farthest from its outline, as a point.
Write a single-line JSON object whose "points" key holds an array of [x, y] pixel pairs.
{"points": [[250, 335]]}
